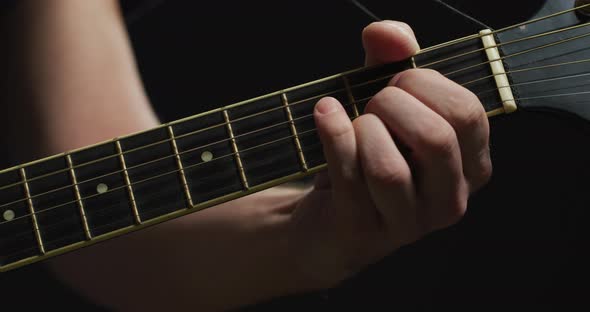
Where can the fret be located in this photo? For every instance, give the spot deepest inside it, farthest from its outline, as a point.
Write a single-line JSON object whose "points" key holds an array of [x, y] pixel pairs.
{"points": [[78, 198], [456, 57], [55, 204], [18, 239], [103, 189], [206, 153], [265, 140], [366, 83], [302, 106], [153, 172], [32, 212], [413, 62], [351, 99], [235, 150], [187, 191], [294, 132], [128, 183]]}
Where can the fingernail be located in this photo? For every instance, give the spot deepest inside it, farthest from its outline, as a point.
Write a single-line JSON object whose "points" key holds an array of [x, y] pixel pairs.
{"points": [[326, 106], [404, 29]]}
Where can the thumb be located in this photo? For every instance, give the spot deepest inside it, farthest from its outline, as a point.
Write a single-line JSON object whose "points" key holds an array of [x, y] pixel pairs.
{"points": [[388, 41]]}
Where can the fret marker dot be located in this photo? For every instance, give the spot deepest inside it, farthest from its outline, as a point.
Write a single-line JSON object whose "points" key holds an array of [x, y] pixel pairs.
{"points": [[102, 188], [207, 156], [8, 215]]}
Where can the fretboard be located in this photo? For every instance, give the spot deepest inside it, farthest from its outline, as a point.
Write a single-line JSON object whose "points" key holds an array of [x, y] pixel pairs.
{"points": [[85, 196]]}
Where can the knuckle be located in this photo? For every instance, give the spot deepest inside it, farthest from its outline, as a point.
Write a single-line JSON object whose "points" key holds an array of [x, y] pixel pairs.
{"points": [[411, 77], [484, 170], [333, 130], [440, 140], [387, 94], [468, 114], [386, 172]]}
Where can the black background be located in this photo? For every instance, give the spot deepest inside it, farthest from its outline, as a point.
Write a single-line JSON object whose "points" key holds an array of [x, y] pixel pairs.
{"points": [[520, 244]]}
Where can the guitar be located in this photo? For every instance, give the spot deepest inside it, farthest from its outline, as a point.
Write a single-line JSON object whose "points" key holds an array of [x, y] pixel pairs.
{"points": [[82, 197]]}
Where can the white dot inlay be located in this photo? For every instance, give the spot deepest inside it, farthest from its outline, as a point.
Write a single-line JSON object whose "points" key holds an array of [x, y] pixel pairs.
{"points": [[102, 188], [8, 215], [207, 156]]}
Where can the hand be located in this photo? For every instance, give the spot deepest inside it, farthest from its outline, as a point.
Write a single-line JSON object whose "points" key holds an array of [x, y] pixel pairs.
{"points": [[375, 198]]}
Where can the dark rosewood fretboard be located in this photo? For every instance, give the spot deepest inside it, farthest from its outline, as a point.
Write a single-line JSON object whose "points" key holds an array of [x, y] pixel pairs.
{"points": [[81, 197]]}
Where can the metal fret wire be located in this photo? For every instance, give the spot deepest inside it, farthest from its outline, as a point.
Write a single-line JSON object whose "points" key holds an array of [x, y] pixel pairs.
{"points": [[307, 132], [299, 102], [270, 110], [215, 143], [152, 161], [354, 86]]}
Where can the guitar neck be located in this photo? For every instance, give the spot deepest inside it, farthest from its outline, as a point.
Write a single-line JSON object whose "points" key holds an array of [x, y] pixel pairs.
{"points": [[82, 197]]}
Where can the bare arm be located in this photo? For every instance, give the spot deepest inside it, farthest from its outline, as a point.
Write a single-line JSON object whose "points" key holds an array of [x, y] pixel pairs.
{"points": [[76, 83], [73, 82]]}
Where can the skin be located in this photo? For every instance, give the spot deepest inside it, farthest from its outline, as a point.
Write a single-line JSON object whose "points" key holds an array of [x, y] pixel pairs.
{"points": [[372, 200]]}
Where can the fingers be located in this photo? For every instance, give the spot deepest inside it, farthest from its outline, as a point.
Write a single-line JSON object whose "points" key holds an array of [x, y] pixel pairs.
{"points": [[340, 149], [388, 41], [462, 110], [337, 135], [388, 178], [435, 154]]}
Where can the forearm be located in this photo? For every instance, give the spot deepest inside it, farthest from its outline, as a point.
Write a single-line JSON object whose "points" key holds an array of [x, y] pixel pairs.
{"points": [[203, 262], [73, 82], [71, 78]]}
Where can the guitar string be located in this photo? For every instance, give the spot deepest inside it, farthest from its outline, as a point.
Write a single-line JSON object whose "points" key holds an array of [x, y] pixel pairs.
{"points": [[561, 94], [178, 170], [562, 41], [233, 154], [123, 187], [549, 33], [461, 13], [127, 201], [461, 40], [365, 10], [236, 120], [339, 90], [528, 69], [65, 170], [549, 96], [205, 129], [35, 246], [80, 183], [535, 82]]}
